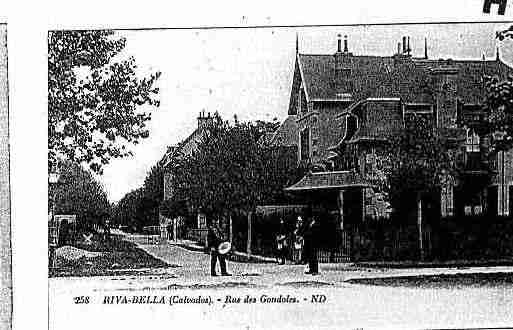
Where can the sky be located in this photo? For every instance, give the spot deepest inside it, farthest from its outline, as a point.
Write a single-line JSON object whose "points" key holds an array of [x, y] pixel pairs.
{"points": [[248, 73]]}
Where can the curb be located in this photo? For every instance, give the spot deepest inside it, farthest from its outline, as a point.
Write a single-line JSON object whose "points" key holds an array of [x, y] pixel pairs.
{"points": [[235, 256], [447, 264]]}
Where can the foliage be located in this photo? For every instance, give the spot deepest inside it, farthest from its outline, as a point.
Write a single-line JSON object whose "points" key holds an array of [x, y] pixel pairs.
{"points": [[508, 33], [80, 194], [94, 98], [140, 207], [231, 170], [415, 162], [134, 210], [171, 208], [499, 104]]}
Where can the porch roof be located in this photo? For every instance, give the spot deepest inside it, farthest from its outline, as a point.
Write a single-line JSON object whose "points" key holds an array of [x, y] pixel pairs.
{"points": [[329, 180]]}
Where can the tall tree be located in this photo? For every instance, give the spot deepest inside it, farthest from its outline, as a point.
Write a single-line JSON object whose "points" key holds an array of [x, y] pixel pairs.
{"points": [[499, 103], [95, 98], [414, 166], [81, 195], [230, 170], [415, 162]]}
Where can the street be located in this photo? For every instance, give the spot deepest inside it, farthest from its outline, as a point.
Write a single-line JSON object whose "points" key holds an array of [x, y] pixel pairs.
{"points": [[347, 305]]}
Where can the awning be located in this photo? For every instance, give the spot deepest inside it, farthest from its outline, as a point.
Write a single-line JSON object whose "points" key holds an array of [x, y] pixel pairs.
{"points": [[329, 180]]}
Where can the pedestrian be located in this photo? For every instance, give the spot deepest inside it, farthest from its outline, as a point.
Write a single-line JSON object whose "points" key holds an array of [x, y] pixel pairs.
{"points": [[169, 230], [311, 238], [216, 237], [281, 244], [298, 242]]}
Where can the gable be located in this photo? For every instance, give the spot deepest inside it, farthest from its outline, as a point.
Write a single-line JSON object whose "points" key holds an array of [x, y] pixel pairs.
{"points": [[296, 83]]}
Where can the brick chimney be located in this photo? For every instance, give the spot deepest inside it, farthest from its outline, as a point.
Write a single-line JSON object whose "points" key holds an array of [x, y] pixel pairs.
{"points": [[343, 67], [205, 121], [403, 54]]}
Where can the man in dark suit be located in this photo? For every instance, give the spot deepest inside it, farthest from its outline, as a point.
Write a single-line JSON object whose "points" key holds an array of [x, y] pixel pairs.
{"points": [[216, 237], [311, 238]]}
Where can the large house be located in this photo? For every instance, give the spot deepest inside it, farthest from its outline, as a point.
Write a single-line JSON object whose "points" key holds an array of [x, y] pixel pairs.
{"points": [[343, 107], [346, 105], [184, 148]]}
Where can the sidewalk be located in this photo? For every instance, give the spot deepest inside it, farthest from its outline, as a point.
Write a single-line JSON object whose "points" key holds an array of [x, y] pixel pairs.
{"points": [[233, 256], [194, 270]]}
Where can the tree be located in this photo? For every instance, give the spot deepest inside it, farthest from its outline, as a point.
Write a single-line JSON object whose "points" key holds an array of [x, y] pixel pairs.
{"points": [[135, 210], [499, 103], [81, 195], [95, 98], [413, 166], [230, 170], [153, 191], [508, 33], [415, 161]]}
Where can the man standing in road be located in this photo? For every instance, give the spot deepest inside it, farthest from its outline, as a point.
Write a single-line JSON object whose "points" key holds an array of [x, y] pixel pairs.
{"points": [[311, 238], [216, 237]]}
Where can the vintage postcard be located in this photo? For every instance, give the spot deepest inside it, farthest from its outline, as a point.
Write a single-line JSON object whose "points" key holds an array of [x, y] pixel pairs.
{"points": [[295, 177]]}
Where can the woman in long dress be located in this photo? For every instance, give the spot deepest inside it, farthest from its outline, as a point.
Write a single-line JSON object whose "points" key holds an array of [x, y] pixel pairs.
{"points": [[298, 242], [281, 244]]}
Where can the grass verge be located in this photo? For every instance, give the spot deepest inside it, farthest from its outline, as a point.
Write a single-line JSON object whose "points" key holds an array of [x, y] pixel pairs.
{"points": [[113, 256]]}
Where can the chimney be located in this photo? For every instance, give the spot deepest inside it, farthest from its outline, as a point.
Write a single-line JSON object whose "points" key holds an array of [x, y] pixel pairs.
{"points": [[404, 45], [425, 49], [204, 121], [297, 44], [408, 48], [343, 64], [498, 55], [398, 48]]}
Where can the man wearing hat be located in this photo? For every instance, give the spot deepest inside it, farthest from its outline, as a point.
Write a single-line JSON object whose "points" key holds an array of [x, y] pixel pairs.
{"points": [[215, 238], [311, 236]]}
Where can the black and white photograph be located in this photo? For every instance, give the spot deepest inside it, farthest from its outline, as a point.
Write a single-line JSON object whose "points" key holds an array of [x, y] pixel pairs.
{"points": [[302, 177]]}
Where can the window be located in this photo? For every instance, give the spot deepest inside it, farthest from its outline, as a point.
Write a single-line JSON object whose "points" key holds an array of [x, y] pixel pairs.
{"points": [[447, 198], [302, 105], [369, 163], [473, 140], [304, 137]]}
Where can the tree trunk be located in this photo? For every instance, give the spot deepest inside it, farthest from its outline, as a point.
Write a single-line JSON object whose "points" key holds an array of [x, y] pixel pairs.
{"points": [[231, 228], [419, 224], [175, 231], [250, 218]]}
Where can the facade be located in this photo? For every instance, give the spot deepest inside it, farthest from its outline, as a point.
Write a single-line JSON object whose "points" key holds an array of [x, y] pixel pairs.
{"points": [[185, 147], [346, 106]]}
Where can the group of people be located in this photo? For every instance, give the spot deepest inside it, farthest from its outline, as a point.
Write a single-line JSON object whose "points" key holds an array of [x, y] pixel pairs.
{"points": [[304, 240]]}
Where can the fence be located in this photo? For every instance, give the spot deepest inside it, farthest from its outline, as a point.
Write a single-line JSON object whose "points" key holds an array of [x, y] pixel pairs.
{"points": [[198, 235], [144, 239], [151, 230]]}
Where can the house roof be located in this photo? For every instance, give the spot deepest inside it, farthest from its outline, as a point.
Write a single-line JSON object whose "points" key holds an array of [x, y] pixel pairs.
{"points": [[328, 180], [287, 134], [375, 76], [185, 147]]}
